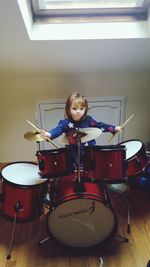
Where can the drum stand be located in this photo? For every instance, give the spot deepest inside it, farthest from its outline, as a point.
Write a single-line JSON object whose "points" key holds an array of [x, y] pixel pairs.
{"points": [[18, 207], [38, 145], [127, 200], [79, 187], [128, 209], [108, 198]]}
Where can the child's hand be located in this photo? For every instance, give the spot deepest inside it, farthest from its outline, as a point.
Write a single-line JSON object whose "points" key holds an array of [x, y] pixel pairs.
{"points": [[118, 129], [45, 134]]}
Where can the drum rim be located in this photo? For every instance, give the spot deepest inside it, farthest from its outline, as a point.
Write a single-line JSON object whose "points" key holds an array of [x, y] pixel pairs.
{"points": [[102, 243], [43, 181], [80, 196], [19, 186], [19, 219], [16, 162], [53, 151], [106, 148], [142, 147]]}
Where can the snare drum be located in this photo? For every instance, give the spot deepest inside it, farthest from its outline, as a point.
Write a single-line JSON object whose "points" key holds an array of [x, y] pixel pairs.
{"points": [[22, 191], [106, 163], [80, 219], [55, 162], [136, 156]]}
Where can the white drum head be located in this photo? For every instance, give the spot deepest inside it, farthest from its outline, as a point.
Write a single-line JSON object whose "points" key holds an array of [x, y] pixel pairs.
{"points": [[133, 147], [81, 222], [118, 188], [22, 173]]}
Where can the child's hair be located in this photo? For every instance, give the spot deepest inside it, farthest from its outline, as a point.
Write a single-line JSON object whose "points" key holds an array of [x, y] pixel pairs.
{"points": [[78, 100]]}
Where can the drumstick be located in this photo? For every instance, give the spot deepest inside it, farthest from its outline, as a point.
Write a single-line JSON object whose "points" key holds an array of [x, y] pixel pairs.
{"points": [[122, 126], [47, 138], [36, 128]]}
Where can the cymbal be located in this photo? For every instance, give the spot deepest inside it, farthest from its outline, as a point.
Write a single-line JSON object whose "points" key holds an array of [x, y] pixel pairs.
{"points": [[85, 135], [33, 136]]}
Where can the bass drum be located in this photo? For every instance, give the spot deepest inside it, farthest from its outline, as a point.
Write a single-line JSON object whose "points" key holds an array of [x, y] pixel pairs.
{"points": [[23, 191], [80, 218], [136, 156]]}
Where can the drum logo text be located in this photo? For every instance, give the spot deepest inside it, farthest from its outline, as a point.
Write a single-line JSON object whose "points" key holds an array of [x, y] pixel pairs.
{"points": [[91, 209]]}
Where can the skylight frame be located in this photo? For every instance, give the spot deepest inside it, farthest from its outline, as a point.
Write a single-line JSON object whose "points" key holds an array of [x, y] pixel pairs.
{"points": [[89, 15]]}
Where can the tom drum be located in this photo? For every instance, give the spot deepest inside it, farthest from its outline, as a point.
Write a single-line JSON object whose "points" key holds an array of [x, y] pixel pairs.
{"points": [[106, 163], [55, 162], [136, 156]]}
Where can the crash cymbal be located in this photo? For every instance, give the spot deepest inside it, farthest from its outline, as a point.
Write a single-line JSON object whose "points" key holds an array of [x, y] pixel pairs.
{"points": [[33, 136], [85, 135]]}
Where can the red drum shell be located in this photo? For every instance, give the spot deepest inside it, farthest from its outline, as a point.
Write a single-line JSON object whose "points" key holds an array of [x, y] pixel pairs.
{"points": [[30, 194], [136, 157], [55, 162], [66, 189], [106, 163]]}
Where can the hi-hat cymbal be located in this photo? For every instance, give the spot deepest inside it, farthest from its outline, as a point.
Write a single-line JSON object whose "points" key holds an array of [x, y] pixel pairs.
{"points": [[85, 135], [33, 136]]}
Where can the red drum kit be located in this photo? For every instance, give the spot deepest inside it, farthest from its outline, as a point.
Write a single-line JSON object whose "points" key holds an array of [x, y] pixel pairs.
{"points": [[106, 164], [23, 190], [136, 156], [55, 162], [80, 213]]}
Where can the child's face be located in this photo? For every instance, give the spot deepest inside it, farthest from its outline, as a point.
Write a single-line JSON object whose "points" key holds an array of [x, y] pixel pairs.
{"points": [[77, 112]]}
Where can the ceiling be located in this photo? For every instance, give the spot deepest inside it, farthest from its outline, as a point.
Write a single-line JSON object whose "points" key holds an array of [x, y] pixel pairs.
{"points": [[19, 54]]}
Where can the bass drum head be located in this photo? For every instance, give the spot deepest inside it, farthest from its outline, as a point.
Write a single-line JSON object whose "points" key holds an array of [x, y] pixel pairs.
{"points": [[81, 223]]}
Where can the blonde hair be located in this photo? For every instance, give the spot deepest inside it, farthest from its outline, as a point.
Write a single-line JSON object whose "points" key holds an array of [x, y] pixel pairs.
{"points": [[77, 99]]}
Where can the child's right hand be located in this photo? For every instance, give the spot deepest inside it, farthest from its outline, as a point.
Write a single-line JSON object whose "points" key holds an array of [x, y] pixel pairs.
{"points": [[45, 134]]}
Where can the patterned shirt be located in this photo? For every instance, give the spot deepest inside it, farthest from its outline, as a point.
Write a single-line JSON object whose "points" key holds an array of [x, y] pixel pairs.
{"points": [[68, 125]]}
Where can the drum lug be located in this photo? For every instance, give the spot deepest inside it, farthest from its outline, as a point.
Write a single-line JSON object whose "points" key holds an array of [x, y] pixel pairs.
{"points": [[125, 163], [138, 161], [41, 165], [2, 196], [148, 154]]}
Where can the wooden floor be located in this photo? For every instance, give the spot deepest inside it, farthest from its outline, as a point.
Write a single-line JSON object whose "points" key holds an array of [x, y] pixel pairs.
{"points": [[26, 251]]}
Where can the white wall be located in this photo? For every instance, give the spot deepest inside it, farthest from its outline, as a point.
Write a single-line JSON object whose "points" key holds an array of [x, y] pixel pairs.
{"points": [[18, 96]]}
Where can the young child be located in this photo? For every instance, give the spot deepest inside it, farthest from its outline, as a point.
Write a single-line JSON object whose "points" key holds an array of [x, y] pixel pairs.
{"points": [[76, 118]]}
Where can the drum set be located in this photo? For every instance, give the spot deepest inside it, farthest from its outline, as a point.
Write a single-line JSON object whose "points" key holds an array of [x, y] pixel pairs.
{"points": [[80, 212]]}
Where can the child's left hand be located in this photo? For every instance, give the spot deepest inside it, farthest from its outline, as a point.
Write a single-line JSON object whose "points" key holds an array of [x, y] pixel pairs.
{"points": [[118, 129]]}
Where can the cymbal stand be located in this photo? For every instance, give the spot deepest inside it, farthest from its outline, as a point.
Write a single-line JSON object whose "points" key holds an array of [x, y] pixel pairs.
{"points": [[78, 184], [78, 167], [18, 207], [38, 145]]}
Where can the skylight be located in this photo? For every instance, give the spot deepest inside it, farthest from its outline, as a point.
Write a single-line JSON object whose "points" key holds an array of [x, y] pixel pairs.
{"points": [[111, 20], [86, 10], [49, 4]]}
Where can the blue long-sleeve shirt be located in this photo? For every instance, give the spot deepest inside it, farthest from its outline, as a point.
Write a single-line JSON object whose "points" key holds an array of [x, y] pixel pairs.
{"points": [[68, 125]]}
